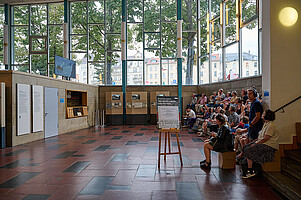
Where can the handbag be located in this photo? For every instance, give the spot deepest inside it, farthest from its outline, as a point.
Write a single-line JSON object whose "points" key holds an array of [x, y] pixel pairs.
{"points": [[213, 141]]}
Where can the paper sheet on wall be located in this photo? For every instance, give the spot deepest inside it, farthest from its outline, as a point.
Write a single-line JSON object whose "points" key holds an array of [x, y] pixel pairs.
{"points": [[23, 109], [38, 108]]}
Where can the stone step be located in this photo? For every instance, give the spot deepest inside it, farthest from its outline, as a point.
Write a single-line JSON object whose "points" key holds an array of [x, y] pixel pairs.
{"points": [[291, 168], [294, 155], [287, 186]]}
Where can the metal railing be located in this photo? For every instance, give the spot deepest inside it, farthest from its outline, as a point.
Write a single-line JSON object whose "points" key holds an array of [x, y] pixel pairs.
{"points": [[281, 108]]}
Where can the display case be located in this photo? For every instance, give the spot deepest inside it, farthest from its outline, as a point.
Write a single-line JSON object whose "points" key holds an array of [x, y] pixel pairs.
{"points": [[153, 104], [114, 108], [76, 104], [136, 108]]}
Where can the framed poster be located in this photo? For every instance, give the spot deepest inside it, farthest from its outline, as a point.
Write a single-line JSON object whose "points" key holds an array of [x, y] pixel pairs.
{"points": [[37, 108], [168, 112], [23, 109]]}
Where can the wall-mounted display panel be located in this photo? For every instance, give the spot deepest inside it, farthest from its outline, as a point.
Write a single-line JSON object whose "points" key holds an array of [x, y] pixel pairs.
{"points": [[37, 108], [23, 109]]}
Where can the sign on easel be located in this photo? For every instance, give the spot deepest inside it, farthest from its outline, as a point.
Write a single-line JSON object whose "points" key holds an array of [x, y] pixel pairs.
{"points": [[168, 112]]}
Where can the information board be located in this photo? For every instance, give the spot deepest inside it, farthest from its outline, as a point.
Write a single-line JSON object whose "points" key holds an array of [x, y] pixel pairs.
{"points": [[23, 109], [38, 108], [168, 112]]}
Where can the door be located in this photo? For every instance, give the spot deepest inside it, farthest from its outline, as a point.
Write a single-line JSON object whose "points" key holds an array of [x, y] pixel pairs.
{"points": [[51, 112]]}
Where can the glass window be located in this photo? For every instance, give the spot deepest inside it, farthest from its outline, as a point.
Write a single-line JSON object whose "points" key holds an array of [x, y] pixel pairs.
{"points": [[39, 64], [56, 13], [151, 15], [38, 20], [96, 12], [249, 9], [230, 20], [21, 15], [216, 63], [55, 46], [249, 49], [169, 40], [151, 60], [204, 70], [1, 37], [232, 62], [203, 36], [114, 68], [189, 65], [135, 77], [79, 17], [113, 16], [135, 42], [21, 48], [168, 70], [134, 11]]}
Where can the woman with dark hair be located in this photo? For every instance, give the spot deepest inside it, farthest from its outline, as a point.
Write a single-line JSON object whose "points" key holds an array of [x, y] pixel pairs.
{"points": [[222, 141], [240, 107], [244, 96], [262, 149]]}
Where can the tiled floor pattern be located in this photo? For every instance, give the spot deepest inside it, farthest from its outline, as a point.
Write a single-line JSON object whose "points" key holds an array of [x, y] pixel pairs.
{"points": [[118, 163]]}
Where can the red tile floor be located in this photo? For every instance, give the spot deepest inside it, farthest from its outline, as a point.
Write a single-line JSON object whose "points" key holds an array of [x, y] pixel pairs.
{"points": [[119, 162]]}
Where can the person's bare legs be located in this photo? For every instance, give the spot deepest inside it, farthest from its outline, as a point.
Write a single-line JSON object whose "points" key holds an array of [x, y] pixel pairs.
{"points": [[250, 163], [207, 151]]}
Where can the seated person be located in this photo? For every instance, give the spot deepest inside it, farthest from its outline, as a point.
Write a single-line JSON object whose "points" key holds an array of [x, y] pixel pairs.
{"points": [[233, 98], [211, 102], [191, 116], [222, 142], [233, 118], [194, 100], [199, 118], [221, 93], [227, 98], [240, 107], [208, 123], [244, 96], [223, 113], [239, 132], [263, 148], [201, 102]]}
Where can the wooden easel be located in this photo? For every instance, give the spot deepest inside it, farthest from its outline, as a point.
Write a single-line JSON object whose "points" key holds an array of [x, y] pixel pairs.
{"points": [[167, 133]]}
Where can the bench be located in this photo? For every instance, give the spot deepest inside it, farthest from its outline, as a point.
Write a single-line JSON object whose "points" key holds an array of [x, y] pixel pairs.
{"points": [[227, 160], [275, 165]]}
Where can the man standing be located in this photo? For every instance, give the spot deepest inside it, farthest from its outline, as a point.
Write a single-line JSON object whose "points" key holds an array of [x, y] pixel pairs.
{"points": [[256, 111]]}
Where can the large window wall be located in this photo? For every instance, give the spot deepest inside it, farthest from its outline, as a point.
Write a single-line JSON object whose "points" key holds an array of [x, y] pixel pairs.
{"points": [[37, 35], [231, 40], [221, 40]]}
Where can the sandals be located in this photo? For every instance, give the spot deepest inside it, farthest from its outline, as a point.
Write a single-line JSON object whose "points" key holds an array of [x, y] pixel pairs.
{"points": [[206, 165]]}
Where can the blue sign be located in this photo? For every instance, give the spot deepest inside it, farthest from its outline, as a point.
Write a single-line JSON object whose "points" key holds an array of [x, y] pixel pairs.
{"points": [[266, 93], [65, 67], [62, 100], [174, 81]]}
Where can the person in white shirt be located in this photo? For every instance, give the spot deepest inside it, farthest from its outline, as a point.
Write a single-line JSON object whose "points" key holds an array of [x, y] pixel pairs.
{"points": [[191, 116]]}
